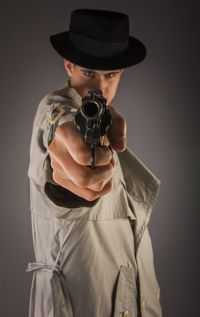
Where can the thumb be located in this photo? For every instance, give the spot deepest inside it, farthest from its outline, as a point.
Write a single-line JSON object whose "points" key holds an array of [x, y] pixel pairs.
{"points": [[117, 131]]}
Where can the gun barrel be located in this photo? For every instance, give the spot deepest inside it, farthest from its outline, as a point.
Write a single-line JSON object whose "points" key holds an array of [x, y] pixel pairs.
{"points": [[90, 109]]}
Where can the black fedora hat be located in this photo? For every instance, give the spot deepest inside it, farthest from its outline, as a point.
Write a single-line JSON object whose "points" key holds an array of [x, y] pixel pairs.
{"points": [[99, 40]]}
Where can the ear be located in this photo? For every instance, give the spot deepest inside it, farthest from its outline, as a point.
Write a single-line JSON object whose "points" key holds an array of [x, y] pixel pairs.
{"points": [[69, 67]]}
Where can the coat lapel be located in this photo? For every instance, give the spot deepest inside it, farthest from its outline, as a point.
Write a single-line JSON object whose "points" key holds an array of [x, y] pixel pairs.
{"points": [[142, 187]]}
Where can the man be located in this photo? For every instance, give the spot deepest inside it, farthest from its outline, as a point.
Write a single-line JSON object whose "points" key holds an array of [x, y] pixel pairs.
{"points": [[92, 246]]}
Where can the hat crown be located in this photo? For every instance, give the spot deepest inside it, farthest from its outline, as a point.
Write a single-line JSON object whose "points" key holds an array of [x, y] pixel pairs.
{"points": [[107, 26]]}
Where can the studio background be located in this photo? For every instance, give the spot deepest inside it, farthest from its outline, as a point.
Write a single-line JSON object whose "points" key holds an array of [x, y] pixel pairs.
{"points": [[159, 99]]}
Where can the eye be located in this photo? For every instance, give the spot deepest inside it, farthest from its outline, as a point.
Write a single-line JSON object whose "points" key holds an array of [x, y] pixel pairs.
{"points": [[110, 75], [88, 73]]}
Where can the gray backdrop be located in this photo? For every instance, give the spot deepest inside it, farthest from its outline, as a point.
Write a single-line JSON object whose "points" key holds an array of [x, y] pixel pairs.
{"points": [[160, 101]]}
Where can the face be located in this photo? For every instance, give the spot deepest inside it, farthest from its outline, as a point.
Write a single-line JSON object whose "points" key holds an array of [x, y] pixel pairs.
{"points": [[82, 79]]}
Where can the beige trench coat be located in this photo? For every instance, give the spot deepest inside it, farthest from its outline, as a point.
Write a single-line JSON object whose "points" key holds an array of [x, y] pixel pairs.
{"points": [[92, 259]]}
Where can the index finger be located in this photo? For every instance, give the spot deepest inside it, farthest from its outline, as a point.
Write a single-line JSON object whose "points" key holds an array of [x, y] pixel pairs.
{"points": [[78, 149], [117, 131]]}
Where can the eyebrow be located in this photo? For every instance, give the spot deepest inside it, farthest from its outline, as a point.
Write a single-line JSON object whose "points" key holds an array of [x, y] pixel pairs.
{"points": [[93, 71]]}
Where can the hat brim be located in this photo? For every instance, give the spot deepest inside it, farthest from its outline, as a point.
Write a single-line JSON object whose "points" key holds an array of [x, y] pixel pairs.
{"points": [[134, 54]]}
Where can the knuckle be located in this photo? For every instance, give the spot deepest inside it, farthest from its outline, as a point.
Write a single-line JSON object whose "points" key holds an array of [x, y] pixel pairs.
{"points": [[81, 157], [99, 187], [58, 131], [82, 180], [54, 176], [108, 188], [50, 148], [90, 196], [52, 164], [61, 130], [110, 185]]}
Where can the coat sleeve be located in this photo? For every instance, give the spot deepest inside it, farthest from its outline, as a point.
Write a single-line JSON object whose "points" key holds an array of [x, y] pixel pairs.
{"points": [[40, 171]]}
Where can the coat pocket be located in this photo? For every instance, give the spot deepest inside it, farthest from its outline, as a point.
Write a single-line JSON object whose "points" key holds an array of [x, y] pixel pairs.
{"points": [[126, 294], [49, 294]]}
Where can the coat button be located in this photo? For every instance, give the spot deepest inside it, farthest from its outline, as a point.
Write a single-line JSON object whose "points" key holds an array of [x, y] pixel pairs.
{"points": [[143, 305], [125, 314]]}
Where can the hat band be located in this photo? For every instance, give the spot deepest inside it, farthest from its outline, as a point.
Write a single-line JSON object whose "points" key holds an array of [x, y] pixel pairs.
{"points": [[97, 48]]}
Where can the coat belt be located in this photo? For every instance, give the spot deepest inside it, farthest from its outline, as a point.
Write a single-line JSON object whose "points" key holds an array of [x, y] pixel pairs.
{"points": [[33, 266]]}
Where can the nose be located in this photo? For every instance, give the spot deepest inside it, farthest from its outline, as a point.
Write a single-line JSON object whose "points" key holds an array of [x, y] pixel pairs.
{"points": [[100, 84]]}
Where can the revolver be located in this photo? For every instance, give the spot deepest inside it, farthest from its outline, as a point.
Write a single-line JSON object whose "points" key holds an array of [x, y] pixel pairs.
{"points": [[93, 120]]}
